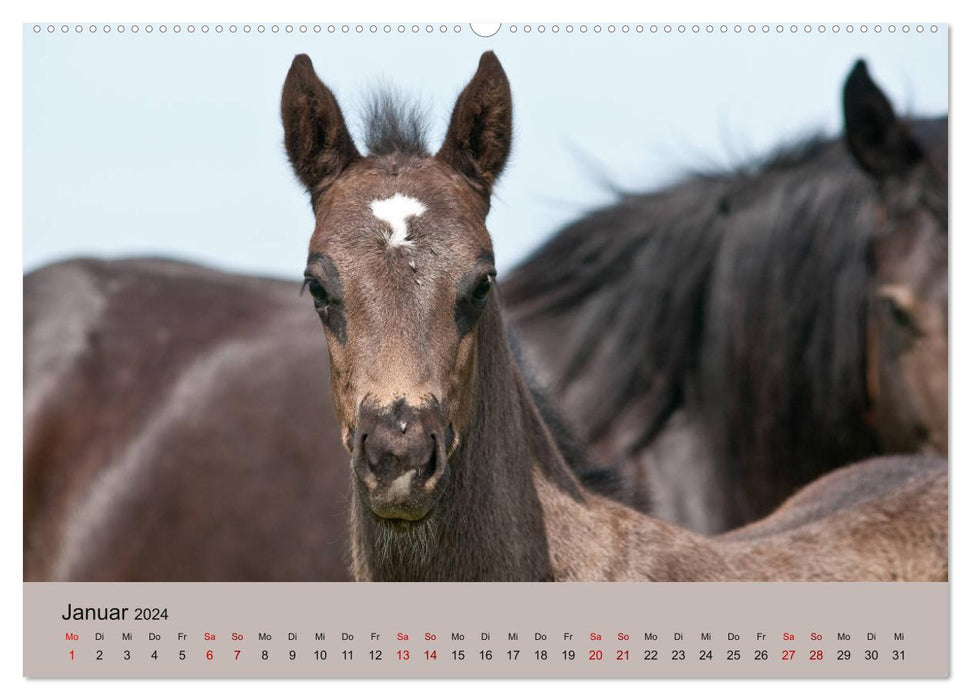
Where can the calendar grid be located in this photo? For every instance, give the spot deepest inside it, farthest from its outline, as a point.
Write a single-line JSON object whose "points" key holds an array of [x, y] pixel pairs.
{"points": [[486, 630]]}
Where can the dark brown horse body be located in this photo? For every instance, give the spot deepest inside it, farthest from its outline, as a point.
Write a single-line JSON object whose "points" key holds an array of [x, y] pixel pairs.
{"points": [[177, 426], [733, 337]]}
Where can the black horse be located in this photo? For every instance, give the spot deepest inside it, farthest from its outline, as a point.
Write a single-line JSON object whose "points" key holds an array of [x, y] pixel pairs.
{"points": [[735, 336]]}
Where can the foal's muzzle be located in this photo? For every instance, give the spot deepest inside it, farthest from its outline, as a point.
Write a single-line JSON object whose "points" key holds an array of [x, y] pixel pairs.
{"points": [[399, 459]]}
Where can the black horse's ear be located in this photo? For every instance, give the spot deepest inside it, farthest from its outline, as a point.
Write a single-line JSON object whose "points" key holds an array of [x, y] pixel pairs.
{"points": [[480, 133], [881, 143], [316, 137]]}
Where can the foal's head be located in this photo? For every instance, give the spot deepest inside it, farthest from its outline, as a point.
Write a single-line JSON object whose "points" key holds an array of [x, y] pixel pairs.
{"points": [[907, 326], [400, 270]]}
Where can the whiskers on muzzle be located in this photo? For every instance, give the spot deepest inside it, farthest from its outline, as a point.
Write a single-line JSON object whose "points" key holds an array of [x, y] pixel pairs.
{"points": [[406, 543]]}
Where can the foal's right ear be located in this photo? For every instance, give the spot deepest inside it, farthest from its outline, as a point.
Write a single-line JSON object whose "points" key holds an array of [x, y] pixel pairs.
{"points": [[881, 142], [318, 143]]}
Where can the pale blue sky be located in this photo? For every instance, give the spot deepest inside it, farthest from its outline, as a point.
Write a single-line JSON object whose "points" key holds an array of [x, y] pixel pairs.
{"points": [[155, 144]]}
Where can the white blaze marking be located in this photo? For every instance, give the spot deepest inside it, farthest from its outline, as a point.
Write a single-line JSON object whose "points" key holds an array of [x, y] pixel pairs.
{"points": [[395, 212]]}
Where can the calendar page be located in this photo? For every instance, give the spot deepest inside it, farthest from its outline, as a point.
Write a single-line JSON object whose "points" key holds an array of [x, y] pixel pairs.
{"points": [[519, 350]]}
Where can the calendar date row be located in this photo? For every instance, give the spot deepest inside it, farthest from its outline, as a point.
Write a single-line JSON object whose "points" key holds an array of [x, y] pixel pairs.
{"points": [[568, 655]]}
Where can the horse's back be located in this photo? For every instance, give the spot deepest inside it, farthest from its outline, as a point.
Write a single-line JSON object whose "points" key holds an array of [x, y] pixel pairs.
{"points": [[882, 519], [855, 488], [177, 426]]}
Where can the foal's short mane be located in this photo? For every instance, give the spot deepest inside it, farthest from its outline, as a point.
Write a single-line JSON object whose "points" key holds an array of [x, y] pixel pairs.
{"points": [[394, 124], [741, 292], [605, 480]]}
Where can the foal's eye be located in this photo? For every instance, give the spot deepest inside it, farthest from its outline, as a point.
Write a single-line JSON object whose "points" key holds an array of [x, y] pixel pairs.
{"points": [[321, 299], [481, 291]]}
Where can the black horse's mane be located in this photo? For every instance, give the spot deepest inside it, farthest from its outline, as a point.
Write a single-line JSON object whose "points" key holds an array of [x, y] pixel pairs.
{"points": [[741, 294]]}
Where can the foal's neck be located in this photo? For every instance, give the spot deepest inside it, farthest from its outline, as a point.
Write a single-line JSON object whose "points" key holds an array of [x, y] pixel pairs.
{"points": [[489, 523]]}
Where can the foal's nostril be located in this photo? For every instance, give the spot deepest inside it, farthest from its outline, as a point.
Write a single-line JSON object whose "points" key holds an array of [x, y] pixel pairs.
{"points": [[432, 464]]}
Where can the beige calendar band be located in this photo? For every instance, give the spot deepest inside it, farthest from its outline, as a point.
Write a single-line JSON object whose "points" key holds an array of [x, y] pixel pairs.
{"points": [[374, 630]]}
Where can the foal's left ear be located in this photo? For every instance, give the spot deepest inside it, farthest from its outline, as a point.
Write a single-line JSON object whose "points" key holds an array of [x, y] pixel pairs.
{"points": [[880, 141], [480, 134]]}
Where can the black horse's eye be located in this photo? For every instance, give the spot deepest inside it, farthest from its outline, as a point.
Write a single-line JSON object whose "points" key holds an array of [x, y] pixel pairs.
{"points": [[900, 316], [481, 291], [319, 294]]}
